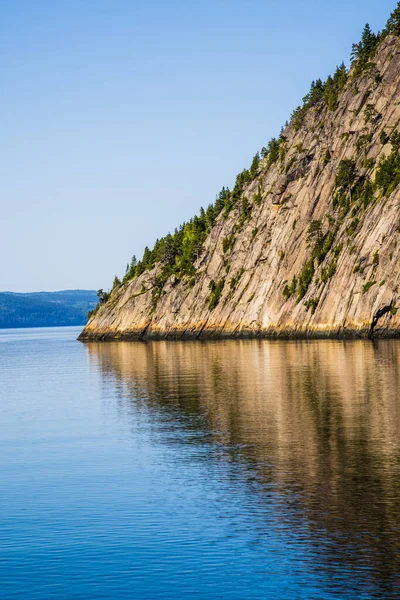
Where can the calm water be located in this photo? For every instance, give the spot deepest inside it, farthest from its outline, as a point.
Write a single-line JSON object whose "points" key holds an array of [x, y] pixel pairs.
{"points": [[232, 470]]}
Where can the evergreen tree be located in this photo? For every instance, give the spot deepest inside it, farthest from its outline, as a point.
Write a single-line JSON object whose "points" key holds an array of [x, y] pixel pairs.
{"points": [[364, 51], [331, 94], [383, 137], [140, 268], [210, 217], [368, 42], [146, 260], [395, 140], [116, 283], [327, 157], [130, 270], [220, 201], [346, 174], [255, 165], [340, 76], [273, 151], [393, 24], [102, 296], [315, 94], [177, 252], [314, 231]]}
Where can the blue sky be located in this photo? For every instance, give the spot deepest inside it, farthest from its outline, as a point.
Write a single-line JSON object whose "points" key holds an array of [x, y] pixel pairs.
{"points": [[121, 118]]}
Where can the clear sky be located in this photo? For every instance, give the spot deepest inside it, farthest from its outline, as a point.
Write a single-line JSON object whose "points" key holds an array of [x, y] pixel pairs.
{"points": [[120, 118]]}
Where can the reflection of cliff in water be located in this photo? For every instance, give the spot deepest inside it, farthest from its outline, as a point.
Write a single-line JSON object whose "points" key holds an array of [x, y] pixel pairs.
{"points": [[317, 422]]}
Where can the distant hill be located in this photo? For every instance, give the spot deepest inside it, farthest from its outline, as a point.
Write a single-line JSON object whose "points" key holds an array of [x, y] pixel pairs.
{"points": [[46, 309]]}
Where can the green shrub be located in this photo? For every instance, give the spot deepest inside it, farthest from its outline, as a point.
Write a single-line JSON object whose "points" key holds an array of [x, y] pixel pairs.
{"points": [[375, 259], [395, 140], [338, 250], [312, 304], [228, 243], [370, 113], [246, 211], [363, 141], [215, 293], [383, 137], [290, 164], [329, 271], [327, 158], [368, 286], [257, 198], [368, 163], [388, 173], [346, 174], [305, 279], [289, 290], [353, 226], [235, 280], [103, 296], [91, 313]]}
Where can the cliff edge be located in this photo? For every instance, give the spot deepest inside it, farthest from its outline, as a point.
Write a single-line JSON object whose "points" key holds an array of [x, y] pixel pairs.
{"points": [[308, 241]]}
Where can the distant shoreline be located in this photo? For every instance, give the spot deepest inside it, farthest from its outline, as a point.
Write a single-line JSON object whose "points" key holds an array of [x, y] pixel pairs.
{"points": [[65, 308]]}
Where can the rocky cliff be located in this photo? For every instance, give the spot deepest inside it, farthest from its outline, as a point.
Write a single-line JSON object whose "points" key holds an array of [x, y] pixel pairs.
{"points": [[311, 246]]}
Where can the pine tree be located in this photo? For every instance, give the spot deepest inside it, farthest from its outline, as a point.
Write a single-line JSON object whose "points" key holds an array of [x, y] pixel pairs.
{"points": [[393, 24], [273, 151], [255, 165], [210, 217], [102, 296], [220, 201], [346, 174], [314, 231], [340, 76], [395, 140], [364, 51], [139, 268], [368, 41], [331, 94], [116, 283], [146, 260], [383, 137], [327, 157], [315, 94]]}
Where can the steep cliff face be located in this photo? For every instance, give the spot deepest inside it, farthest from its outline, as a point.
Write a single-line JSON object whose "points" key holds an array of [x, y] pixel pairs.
{"points": [[313, 246]]}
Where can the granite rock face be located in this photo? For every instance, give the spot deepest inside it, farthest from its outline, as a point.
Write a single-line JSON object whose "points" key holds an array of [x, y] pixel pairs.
{"points": [[358, 278]]}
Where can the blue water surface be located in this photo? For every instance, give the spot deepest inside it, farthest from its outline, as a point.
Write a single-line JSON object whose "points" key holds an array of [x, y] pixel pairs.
{"points": [[232, 470]]}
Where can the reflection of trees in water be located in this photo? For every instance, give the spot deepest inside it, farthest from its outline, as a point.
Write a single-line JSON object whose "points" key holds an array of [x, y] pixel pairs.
{"points": [[318, 421]]}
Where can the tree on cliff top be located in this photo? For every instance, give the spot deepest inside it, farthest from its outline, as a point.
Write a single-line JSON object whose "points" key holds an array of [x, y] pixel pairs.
{"points": [[393, 24], [365, 50], [179, 251]]}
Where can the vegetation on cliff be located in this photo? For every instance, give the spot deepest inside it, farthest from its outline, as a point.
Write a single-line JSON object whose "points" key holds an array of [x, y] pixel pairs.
{"points": [[362, 163]]}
